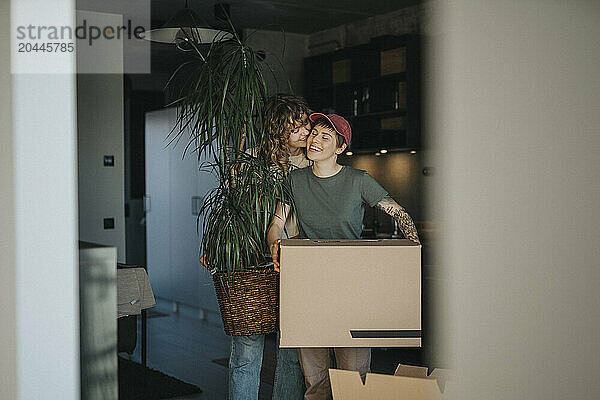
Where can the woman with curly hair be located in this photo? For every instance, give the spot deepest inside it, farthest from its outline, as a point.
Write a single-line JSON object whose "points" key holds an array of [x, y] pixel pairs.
{"points": [[286, 129]]}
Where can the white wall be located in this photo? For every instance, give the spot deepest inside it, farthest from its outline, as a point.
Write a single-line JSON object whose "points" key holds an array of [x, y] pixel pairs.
{"points": [[516, 98], [44, 154], [8, 356], [100, 132], [172, 241], [100, 128]]}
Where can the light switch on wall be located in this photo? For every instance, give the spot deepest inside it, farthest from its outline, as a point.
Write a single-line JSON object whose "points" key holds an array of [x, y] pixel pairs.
{"points": [[109, 161], [109, 223]]}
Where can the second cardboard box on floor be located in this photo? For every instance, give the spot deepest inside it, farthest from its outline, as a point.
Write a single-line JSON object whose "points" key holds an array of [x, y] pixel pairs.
{"points": [[350, 293], [407, 383]]}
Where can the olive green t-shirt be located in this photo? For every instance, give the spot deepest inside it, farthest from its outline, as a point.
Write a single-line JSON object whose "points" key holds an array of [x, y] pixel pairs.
{"points": [[333, 207]]}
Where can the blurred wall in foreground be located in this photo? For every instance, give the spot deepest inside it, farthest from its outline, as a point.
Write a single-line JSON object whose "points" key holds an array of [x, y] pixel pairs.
{"points": [[8, 300], [516, 93], [43, 213]]}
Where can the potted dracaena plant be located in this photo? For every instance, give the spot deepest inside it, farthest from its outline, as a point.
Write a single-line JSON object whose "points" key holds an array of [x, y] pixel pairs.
{"points": [[220, 93]]}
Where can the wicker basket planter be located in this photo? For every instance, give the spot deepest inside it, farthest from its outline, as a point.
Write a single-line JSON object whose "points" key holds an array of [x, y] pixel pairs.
{"points": [[251, 305]]}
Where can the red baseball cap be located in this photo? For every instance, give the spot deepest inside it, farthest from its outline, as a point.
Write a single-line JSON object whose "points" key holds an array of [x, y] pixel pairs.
{"points": [[340, 124]]}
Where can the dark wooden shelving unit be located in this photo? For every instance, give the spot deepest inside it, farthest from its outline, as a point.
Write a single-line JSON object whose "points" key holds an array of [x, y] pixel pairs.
{"points": [[376, 86]]}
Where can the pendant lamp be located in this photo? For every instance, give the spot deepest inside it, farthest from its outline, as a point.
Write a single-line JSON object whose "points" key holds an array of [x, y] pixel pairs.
{"points": [[186, 25]]}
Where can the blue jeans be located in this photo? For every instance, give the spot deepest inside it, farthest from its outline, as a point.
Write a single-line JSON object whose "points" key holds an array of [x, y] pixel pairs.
{"points": [[245, 364]]}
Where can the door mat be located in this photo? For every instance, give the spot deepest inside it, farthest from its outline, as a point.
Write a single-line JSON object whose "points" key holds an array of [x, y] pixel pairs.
{"points": [[137, 382]]}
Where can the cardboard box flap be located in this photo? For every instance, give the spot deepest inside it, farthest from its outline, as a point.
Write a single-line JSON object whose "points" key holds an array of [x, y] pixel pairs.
{"points": [[347, 242], [412, 371], [347, 385], [440, 375]]}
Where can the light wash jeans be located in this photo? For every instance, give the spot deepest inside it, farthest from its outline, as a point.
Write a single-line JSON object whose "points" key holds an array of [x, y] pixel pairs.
{"points": [[245, 364]]}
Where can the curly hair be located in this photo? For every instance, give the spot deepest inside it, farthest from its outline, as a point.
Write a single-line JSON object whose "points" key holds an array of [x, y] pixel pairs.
{"points": [[282, 113]]}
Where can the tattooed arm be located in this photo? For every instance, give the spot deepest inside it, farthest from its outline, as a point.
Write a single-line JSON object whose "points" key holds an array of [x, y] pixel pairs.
{"points": [[404, 220]]}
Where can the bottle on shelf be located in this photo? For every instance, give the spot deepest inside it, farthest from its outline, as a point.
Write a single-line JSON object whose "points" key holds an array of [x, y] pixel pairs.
{"points": [[355, 103], [365, 100]]}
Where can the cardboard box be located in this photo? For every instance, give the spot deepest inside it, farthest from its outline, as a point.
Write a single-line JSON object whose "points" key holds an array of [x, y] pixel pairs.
{"points": [[393, 61], [407, 383], [393, 124], [350, 293], [341, 70], [401, 95]]}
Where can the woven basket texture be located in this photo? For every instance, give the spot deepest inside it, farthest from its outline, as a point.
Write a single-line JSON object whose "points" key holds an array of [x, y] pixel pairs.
{"points": [[249, 303]]}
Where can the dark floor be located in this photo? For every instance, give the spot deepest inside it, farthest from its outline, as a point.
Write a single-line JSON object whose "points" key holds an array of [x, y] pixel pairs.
{"points": [[187, 348]]}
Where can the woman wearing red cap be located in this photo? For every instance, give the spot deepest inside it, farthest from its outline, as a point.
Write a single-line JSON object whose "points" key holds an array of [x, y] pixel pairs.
{"points": [[329, 200]]}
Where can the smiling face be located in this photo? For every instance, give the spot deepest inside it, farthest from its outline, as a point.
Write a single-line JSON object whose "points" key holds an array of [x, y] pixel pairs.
{"points": [[322, 144], [298, 133]]}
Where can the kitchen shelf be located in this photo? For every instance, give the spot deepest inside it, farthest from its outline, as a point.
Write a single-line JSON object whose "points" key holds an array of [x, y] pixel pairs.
{"points": [[401, 77], [375, 86], [379, 114]]}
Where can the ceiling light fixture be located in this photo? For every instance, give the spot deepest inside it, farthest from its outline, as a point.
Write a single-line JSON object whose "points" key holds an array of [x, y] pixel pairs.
{"points": [[185, 26], [383, 151], [378, 154], [349, 153], [413, 152]]}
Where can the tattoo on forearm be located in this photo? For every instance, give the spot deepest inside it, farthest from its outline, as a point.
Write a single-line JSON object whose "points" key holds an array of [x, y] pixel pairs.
{"points": [[405, 222]]}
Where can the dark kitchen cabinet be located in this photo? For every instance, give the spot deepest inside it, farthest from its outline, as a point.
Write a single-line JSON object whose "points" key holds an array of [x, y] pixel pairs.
{"points": [[375, 86]]}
